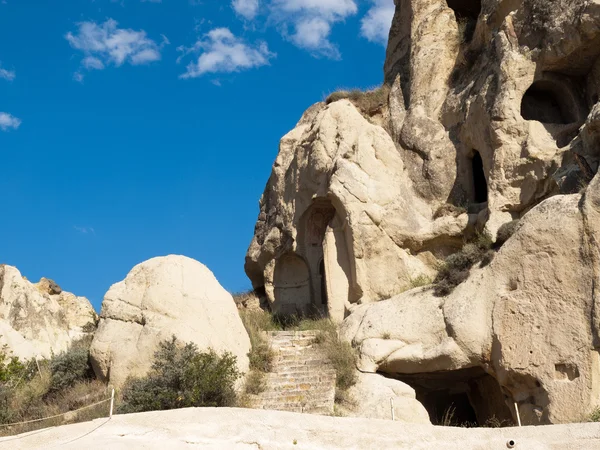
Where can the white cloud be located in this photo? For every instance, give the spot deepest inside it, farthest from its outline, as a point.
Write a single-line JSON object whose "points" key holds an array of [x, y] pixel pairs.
{"points": [[311, 22], [84, 230], [8, 121], [375, 26], [245, 8], [7, 74], [222, 52], [106, 44]]}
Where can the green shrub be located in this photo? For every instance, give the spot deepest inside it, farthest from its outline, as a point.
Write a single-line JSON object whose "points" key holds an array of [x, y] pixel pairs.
{"points": [[70, 367], [457, 266], [181, 377]]}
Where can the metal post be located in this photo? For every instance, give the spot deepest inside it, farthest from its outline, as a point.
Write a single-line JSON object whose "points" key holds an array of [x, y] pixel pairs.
{"points": [[112, 402], [392, 406], [518, 416]]}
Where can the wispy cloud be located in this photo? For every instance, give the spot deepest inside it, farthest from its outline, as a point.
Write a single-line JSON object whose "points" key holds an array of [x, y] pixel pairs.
{"points": [[246, 8], [305, 23], [84, 230], [222, 52], [106, 44], [375, 26], [7, 74], [8, 121]]}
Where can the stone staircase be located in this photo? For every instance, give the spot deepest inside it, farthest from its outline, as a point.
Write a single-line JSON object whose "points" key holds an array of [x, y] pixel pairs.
{"points": [[302, 378]]}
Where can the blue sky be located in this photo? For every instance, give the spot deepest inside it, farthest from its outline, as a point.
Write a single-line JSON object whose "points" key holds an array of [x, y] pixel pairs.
{"points": [[131, 129]]}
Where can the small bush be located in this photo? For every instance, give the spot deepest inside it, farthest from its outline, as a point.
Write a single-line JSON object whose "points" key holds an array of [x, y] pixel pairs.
{"points": [[181, 377], [457, 266], [505, 232], [256, 382], [367, 101], [70, 367]]}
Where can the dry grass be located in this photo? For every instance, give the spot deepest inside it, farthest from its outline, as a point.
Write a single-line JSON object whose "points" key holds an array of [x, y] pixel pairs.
{"points": [[448, 209], [368, 101]]}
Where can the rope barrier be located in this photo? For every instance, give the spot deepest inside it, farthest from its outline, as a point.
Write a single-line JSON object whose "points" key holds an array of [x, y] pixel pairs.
{"points": [[57, 415]]}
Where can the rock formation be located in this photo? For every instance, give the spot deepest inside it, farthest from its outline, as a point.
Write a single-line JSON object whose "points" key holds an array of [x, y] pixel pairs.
{"points": [[38, 320], [159, 298], [491, 114]]}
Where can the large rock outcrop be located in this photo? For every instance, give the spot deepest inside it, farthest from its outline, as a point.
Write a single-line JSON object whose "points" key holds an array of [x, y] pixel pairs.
{"points": [[519, 330], [159, 298], [491, 114], [492, 106], [39, 320]]}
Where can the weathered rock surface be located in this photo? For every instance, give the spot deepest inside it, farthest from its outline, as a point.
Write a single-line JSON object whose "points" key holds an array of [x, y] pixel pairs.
{"points": [[493, 107], [159, 298], [492, 115], [526, 320], [373, 397], [38, 320], [226, 428]]}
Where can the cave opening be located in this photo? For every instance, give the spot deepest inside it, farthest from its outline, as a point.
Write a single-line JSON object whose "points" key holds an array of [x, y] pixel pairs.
{"points": [[543, 103], [465, 9], [465, 397], [480, 188], [466, 13]]}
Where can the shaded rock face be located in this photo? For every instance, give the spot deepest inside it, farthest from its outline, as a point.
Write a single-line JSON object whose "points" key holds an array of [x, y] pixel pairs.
{"points": [[159, 298], [38, 320], [493, 107]]}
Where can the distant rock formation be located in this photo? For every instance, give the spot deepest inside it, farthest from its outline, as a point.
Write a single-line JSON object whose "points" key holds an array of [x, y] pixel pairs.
{"points": [[159, 298], [491, 113], [38, 320]]}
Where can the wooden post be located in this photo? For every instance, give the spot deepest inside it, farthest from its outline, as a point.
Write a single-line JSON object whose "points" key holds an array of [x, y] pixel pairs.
{"points": [[112, 402], [38, 367], [392, 406], [518, 416]]}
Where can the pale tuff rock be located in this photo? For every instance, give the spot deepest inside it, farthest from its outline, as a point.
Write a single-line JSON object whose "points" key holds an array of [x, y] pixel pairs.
{"points": [[159, 298], [522, 324], [39, 320], [375, 396], [493, 108]]}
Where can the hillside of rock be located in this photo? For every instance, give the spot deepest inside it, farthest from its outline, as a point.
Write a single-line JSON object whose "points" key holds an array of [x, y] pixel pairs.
{"points": [[40, 319]]}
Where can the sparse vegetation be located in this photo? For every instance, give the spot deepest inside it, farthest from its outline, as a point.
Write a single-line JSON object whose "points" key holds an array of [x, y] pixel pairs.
{"points": [[367, 101], [181, 377], [420, 281], [386, 336], [595, 415], [457, 266], [30, 390]]}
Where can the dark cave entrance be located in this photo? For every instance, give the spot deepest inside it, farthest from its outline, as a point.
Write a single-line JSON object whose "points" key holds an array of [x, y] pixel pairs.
{"points": [[465, 397], [465, 9], [543, 103], [480, 188], [466, 13]]}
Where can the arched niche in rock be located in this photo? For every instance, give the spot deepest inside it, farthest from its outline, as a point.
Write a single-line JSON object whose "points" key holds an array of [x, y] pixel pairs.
{"points": [[291, 285], [323, 242]]}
